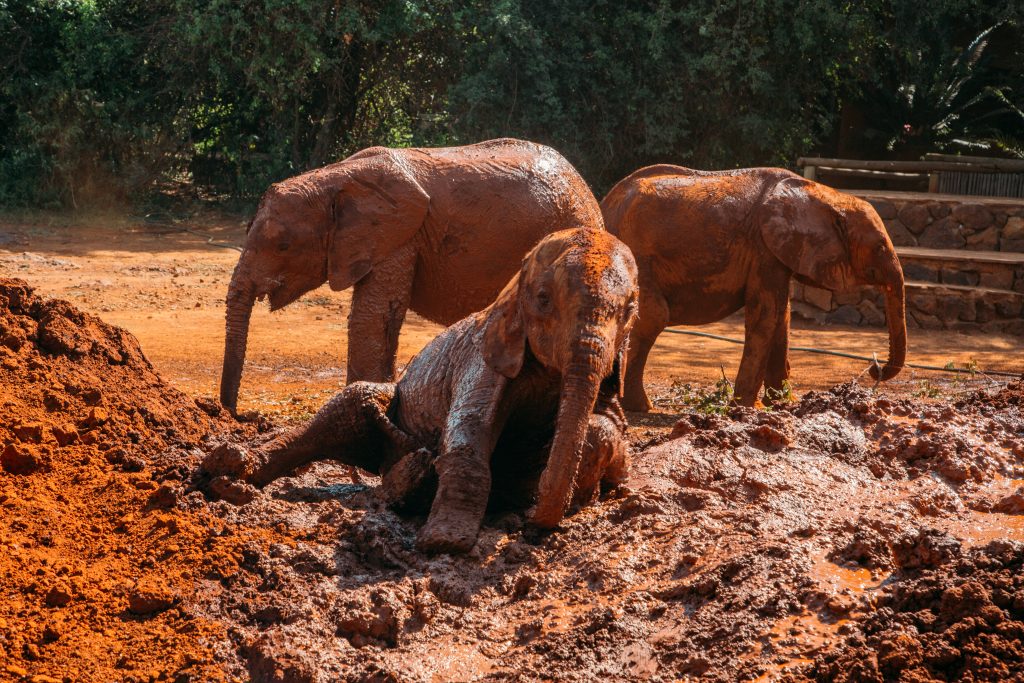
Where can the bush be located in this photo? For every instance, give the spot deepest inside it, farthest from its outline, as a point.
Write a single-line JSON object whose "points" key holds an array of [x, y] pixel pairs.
{"points": [[619, 85], [110, 100]]}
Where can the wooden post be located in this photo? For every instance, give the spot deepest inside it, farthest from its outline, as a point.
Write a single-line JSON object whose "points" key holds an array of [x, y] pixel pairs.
{"points": [[933, 181], [811, 172]]}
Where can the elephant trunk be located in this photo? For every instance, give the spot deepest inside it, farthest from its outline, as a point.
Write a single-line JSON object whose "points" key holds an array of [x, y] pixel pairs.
{"points": [[896, 318], [580, 385], [241, 298]]}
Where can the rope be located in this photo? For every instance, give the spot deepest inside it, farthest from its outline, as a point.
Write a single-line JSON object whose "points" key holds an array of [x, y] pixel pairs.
{"points": [[177, 229], [843, 354], [210, 238]]}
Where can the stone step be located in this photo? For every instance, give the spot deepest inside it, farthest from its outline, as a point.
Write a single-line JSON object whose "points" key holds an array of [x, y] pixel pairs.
{"points": [[940, 306], [962, 255], [963, 267], [967, 289], [930, 305], [901, 197], [940, 221]]}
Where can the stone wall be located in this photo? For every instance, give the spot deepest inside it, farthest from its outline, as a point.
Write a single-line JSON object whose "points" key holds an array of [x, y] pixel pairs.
{"points": [[950, 222], [932, 307], [964, 272]]}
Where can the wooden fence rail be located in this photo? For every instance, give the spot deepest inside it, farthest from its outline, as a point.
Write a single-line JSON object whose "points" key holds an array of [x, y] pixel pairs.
{"points": [[945, 172]]}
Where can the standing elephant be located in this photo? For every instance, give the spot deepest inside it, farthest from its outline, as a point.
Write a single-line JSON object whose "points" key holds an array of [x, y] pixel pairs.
{"points": [[439, 231], [710, 242], [515, 403]]}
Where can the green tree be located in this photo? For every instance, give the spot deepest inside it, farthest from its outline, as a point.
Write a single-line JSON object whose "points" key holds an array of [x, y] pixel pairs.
{"points": [[86, 110], [938, 76], [619, 85], [110, 99], [285, 85]]}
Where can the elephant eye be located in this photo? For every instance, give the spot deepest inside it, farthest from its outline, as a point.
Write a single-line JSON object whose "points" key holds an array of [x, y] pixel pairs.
{"points": [[543, 301], [282, 246]]}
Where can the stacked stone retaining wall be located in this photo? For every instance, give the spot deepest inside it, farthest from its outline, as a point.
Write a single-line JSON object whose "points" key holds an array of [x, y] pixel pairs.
{"points": [[935, 307], [949, 221]]}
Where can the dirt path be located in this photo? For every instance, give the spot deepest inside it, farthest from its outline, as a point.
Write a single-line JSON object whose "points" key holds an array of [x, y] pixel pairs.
{"points": [[167, 287]]}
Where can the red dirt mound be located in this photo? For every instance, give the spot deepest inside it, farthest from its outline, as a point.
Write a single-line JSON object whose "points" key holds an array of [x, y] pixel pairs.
{"points": [[961, 622], [1009, 396], [91, 571]]}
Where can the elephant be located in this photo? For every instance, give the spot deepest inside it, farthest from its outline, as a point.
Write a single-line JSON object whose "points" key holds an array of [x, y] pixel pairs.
{"points": [[513, 405], [435, 230], [710, 242]]}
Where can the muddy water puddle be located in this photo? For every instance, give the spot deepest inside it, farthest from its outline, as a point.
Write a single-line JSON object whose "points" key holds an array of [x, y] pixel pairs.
{"points": [[793, 641], [451, 660], [840, 579], [981, 528]]}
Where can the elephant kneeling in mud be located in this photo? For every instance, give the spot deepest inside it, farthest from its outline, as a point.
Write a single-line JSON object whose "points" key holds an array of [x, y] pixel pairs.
{"points": [[708, 243], [518, 403]]}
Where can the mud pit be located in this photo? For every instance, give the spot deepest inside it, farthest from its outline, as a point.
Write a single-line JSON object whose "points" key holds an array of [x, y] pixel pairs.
{"points": [[854, 535]]}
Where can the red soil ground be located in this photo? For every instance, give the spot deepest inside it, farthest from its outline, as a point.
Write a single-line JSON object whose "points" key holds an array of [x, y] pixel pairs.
{"points": [[857, 534]]}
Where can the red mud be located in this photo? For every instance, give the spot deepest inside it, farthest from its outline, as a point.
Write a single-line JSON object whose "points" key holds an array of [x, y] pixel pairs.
{"points": [[851, 536], [95, 576]]}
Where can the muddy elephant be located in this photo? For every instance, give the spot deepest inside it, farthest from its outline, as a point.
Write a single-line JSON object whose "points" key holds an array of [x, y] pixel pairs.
{"points": [[514, 405], [438, 231], [708, 243]]}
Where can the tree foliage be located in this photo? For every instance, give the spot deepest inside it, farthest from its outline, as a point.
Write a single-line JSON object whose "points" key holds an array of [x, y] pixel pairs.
{"points": [[620, 85], [105, 100], [946, 75]]}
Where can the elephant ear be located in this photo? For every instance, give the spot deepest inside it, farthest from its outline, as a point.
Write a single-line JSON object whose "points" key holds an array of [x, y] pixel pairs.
{"points": [[377, 208], [504, 336], [805, 232]]}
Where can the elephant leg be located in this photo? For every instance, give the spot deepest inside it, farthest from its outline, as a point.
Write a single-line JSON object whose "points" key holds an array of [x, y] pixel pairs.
{"points": [[766, 307], [463, 487], [379, 303], [349, 429], [653, 318], [463, 466], [409, 485], [778, 359], [605, 459]]}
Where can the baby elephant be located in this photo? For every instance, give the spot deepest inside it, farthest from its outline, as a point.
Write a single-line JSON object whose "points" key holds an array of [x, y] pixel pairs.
{"points": [[515, 404]]}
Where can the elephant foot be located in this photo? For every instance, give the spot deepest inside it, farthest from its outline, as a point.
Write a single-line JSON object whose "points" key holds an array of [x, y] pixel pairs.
{"points": [[605, 459], [411, 482], [637, 404], [228, 467], [448, 533], [229, 460]]}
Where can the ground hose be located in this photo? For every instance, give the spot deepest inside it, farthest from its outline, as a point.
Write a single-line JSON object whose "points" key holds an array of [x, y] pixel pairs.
{"points": [[844, 354]]}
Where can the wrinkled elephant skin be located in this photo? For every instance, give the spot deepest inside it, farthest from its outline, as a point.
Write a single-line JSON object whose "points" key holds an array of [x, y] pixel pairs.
{"points": [[438, 231], [514, 405], [708, 243]]}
